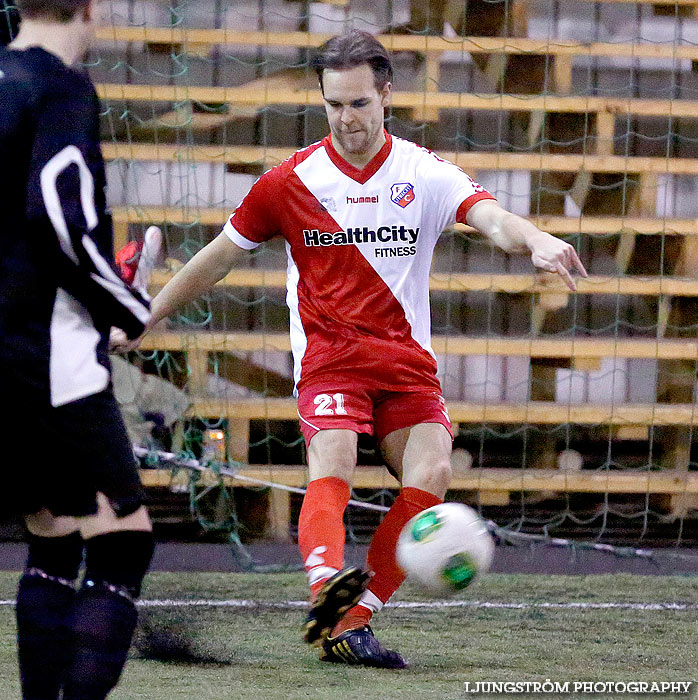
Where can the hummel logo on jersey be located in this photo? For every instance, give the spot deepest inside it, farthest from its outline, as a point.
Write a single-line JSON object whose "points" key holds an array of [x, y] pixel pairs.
{"points": [[384, 234], [363, 200], [402, 193]]}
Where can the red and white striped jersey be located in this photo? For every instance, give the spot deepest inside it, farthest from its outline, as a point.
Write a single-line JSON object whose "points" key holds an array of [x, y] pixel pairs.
{"points": [[359, 244]]}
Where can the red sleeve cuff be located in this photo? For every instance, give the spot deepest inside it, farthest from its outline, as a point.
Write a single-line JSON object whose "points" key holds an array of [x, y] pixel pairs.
{"points": [[464, 208]]}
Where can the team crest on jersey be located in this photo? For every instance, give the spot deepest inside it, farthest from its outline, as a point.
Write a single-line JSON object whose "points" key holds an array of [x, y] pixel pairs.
{"points": [[402, 193]]}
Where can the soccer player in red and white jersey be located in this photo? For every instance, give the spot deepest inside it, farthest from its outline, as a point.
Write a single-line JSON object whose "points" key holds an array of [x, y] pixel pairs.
{"points": [[361, 212]]}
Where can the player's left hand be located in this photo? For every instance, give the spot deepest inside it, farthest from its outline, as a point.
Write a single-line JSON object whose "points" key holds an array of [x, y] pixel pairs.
{"points": [[553, 255], [120, 343]]}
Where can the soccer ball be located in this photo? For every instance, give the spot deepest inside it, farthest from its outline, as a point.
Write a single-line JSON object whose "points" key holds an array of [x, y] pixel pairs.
{"points": [[444, 548]]}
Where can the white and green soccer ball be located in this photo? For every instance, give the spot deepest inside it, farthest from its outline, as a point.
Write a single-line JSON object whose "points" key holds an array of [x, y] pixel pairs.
{"points": [[445, 548]]}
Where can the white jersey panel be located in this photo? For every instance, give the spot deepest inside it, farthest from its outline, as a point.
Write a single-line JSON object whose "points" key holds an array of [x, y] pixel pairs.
{"points": [[73, 367], [299, 341]]}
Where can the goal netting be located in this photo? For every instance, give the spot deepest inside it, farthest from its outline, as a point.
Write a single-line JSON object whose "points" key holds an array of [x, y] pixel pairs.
{"points": [[573, 413]]}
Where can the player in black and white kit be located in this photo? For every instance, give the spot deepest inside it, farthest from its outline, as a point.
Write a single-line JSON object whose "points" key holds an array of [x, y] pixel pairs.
{"points": [[77, 485]]}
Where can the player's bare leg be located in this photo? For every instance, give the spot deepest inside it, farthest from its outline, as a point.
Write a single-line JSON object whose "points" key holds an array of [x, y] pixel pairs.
{"points": [[420, 456], [78, 640], [334, 589], [332, 453], [107, 521]]}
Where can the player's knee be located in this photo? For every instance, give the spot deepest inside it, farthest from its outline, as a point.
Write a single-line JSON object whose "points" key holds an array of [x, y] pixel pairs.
{"points": [[119, 559], [45, 524], [440, 474], [433, 477]]}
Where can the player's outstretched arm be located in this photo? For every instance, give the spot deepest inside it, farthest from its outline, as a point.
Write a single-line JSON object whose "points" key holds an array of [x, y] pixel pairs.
{"points": [[514, 234], [210, 265]]}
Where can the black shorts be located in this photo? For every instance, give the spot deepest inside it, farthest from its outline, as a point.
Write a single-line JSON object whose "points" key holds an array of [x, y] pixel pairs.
{"points": [[60, 457]]}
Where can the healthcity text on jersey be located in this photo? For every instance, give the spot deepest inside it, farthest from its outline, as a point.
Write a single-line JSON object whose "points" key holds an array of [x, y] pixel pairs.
{"points": [[352, 236]]}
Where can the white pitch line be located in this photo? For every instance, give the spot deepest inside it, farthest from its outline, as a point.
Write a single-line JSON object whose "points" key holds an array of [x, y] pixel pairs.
{"points": [[429, 605]]}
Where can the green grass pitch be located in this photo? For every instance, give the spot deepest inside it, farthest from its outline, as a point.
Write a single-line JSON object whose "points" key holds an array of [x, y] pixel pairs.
{"points": [[219, 653]]}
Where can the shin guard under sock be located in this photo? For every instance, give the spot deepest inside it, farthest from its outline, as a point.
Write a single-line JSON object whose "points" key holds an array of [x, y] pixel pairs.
{"points": [[45, 597], [103, 621], [321, 533], [388, 576], [104, 615]]}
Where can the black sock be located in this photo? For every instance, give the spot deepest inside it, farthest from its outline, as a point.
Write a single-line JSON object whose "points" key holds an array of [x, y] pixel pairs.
{"points": [[104, 615], [44, 600], [103, 623], [119, 558]]}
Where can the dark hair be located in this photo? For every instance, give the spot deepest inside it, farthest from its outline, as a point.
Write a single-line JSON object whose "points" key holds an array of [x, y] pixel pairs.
{"points": [[55, 10], [351, 50], [9, 22]]}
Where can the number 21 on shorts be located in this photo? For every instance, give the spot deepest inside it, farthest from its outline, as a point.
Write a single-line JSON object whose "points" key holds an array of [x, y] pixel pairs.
{"points": [[329, 405]]}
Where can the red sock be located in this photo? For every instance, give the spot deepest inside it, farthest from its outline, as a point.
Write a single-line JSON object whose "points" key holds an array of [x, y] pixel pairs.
{"points": [[321, 533], [388, 576], [353, 619]]}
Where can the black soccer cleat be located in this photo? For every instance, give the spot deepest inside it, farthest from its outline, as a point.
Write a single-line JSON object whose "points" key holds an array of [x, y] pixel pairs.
{"points": [[360, 648], [340, 592]]}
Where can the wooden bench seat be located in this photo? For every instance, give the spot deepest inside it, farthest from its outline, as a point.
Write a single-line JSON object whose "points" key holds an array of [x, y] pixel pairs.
{"points": [[557, 225], [573, 104], [534, 347], [490, 479], [471, 161], [532, 412], [474, 282], [418, 43], [492, 486]]}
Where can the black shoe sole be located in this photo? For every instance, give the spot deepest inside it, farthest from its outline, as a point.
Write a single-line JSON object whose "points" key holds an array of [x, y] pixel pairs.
{"points": [[339, 594]]}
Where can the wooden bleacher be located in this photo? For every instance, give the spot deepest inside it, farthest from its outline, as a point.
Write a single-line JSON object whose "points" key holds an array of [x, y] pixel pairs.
{"points": [[674, 408], [264, 157], [540, 347], [488, 480], [308, 95], [424, 44], [491, 486]]}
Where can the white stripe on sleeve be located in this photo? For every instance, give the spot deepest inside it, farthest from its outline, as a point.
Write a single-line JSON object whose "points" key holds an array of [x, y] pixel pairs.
{"points": [[70, 155], [108, 279], [238, 238]]}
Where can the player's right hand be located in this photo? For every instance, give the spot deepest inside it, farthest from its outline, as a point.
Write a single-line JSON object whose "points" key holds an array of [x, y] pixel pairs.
{"points": [[553, 255]]}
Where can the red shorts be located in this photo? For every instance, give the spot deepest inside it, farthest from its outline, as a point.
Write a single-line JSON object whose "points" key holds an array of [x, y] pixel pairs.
{"points": [[346, 404]]}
